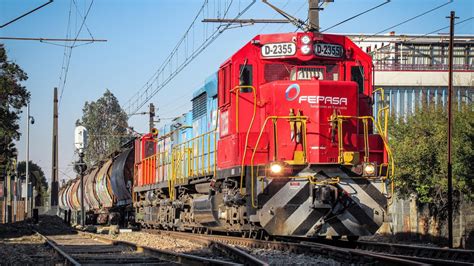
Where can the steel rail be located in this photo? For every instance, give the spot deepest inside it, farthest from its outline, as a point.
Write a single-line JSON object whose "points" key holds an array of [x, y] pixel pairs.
{"points": [[168, 255], [58, 250], [347, 254], [431, 255], [435, 255], [240, 255], [165, 256], [233, 252]]}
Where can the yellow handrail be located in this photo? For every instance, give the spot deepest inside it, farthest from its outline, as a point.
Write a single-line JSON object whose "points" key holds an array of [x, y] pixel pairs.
{"points": [[188, 159], [384, 140], [302, 119], [254, 93]]}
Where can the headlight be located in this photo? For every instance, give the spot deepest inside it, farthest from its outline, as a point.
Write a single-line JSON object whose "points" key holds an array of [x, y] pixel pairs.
{"points": [[276, 168], [369, 169], [305, 49], [305, 39]]}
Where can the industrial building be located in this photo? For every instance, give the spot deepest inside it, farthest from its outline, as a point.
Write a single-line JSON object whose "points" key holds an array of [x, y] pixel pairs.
{"points": [[413, 69]]}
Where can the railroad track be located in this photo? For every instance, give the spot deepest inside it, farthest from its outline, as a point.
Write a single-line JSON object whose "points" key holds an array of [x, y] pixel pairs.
{"points": [[88, 249], [349, 252], [430, 255]]}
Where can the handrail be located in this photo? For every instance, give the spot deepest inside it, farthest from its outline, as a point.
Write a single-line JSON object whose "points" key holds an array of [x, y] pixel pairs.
{"points": [[385, 109], [254, 93], [391, 164], [182, 162], [379, 129], [302, 118]]}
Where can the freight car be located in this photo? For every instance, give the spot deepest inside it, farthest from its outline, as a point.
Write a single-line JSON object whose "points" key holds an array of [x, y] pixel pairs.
{"points": [[280, 141], [107, 191]]}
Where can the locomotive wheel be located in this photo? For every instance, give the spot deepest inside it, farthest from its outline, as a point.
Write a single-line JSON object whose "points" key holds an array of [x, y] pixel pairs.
{"points": [[253, 234], [266, 236]]}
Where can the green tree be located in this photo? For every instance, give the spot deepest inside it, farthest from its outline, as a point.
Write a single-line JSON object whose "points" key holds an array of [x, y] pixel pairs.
{"points": [[37, 179], [107, 125], [13, 97], [419, 145]]}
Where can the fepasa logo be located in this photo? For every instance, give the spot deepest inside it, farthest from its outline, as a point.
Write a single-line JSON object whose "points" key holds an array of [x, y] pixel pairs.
{"points": [[293, 92]]}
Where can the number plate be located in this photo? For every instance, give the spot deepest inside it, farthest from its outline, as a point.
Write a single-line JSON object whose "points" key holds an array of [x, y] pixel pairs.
{"points": [[329, 50], [278, 49]]}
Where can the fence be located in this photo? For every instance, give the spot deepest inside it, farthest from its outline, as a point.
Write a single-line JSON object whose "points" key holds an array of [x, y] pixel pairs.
{"points": [[410, 221], [10, 214]]}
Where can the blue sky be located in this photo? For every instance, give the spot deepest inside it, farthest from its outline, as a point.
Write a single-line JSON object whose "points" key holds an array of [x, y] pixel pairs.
{"points": [[140, 34]]}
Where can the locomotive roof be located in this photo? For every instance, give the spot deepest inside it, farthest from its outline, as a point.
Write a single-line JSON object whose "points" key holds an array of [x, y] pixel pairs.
{"points": [[262, 39]]}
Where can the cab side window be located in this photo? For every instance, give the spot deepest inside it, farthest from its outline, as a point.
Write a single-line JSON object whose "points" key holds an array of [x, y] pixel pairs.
{"points": [[246, 75], [357, 75]]}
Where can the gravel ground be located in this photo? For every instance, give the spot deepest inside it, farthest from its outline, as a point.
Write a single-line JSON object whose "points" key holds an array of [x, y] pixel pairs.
{"points": [[159, 241], [25, 250], [277, 257], [20, 245], [273, 257], [168, 243], [399, 240]]}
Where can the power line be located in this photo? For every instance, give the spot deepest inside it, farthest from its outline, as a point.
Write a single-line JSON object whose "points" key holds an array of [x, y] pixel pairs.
{"points": [[357, 15], [412, 18], [51, 39], [26, 14], [78, 11], [174, 64], [70, 51], [296, 12], [274, 16], [68, 29], [438, 30]]}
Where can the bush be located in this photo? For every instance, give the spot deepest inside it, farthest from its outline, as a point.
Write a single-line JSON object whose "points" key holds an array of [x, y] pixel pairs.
{"points": [[419, 144]]}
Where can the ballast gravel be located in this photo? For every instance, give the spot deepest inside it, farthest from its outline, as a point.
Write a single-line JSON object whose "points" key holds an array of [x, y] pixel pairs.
{"points": [[278, 257], [272, 257], [158, 241]]}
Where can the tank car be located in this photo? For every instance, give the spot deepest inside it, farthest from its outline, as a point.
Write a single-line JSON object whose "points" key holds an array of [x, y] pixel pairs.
{"points": [[107, 191], [280, 141]]}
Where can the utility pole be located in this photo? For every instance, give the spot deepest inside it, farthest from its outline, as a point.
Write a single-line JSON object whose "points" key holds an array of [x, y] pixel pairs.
{"points": [[313, 15], [8, 205], [54, 159], [152, 116], [27, 178], [15, 190], [450, 126]]}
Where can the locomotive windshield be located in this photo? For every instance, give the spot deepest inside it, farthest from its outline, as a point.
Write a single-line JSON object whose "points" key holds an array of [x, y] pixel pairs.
{"points": [[279, 71]]}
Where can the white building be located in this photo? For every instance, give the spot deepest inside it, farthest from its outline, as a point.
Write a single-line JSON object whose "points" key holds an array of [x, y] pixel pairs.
{"points": [[413, 69]]}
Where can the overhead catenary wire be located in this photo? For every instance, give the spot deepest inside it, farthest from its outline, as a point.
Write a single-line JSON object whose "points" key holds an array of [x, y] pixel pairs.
{"points": [[25, 14], [62, 84], [357, 15], [172, 65], [412, 18], [438, 30]]}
